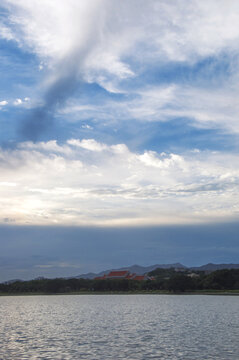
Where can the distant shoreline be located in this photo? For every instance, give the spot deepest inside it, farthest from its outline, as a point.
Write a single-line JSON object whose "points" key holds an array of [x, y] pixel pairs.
{"points": [[208, 292]]}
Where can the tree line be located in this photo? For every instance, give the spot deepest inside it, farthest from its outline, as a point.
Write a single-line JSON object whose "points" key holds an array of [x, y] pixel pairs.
{"points": [[165, 280]]}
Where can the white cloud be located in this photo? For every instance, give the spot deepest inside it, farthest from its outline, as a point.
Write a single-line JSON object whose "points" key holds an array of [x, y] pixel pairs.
{"points": [[49, 146], [22, 102], [111, 30], [49, 183], [207, 108], [89, 144], [86, 126], [101, 40], [17, 102], [150, 158], [5, 32], [3, 103], [6, 183], [204, 108]]}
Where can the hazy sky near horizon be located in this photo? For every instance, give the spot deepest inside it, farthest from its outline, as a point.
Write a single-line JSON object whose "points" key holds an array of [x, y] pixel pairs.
{"points": [[119, 114], [31, 251]]}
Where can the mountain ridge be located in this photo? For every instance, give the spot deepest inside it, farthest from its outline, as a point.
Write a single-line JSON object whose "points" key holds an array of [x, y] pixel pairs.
{"points": [[141, 270]]}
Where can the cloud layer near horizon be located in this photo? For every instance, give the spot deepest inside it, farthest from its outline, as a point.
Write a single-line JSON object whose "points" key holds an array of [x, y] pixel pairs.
{"points": [[86, 182]]}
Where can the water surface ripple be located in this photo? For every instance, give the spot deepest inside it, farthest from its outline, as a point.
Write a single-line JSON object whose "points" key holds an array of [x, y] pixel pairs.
{"points": [[119, 327]]}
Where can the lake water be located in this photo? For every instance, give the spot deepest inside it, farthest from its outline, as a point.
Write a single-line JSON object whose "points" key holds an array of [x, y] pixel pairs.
{"points": [[119, 327]]}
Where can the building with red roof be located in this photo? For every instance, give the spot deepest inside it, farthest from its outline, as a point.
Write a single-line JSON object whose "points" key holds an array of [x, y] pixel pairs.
{"points": [[130, 276], [100, 277], [140, 277], [118, 274], [123, 274]]}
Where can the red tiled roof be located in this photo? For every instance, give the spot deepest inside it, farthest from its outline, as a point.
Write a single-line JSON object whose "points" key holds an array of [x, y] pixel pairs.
{"points": [[125, 274], [118, 273], [130, 276], [100, 277], [139, 277]]}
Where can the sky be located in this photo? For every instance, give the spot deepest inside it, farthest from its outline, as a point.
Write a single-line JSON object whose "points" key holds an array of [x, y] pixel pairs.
{"points": [[119, 134]]}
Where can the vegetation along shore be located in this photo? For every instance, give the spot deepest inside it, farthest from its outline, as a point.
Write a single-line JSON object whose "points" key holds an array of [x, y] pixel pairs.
{"points": [[165, 281]]}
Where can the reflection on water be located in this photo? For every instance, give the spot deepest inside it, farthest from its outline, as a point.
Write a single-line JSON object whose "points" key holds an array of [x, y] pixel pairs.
{"points": [[119, 327]]}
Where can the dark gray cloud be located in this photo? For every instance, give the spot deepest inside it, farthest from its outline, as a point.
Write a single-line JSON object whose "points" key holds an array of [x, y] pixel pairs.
{"points": [[64, 77], [41, 118]]}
